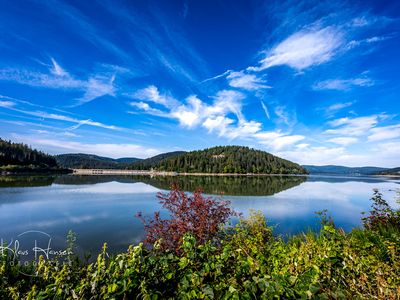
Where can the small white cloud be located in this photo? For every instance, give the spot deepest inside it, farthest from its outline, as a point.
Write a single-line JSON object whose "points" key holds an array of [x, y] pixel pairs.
{"points": [[190, 114], [344, 141], [352, 126], [338, 106], [58, 70], [7, 104], [78, 122], [152, 94], [384, 133], [277, 140], [285, 117], [303, 49], [265, 108], [359, 22], [246, 81], [97, 85], [343, 84]]}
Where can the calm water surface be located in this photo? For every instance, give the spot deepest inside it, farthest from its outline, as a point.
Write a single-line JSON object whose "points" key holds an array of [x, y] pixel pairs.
{"points": [[102, 208]]}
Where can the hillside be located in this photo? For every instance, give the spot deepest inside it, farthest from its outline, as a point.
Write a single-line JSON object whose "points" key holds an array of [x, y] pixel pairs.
{"points": [[393, 171], [332, 169], [147, 164], [15, 156], [228, 159], [91, 161]]}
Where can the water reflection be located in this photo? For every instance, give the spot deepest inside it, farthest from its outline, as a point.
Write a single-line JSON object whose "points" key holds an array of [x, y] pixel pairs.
{"points": [[228, 185]]}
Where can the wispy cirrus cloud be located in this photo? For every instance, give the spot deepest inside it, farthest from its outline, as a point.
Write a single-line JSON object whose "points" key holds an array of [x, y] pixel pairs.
{"points": [[265, 108], [353, 126], [13, 105], [278, 140], [344, 141], [303, 49], [246, 81], [96, 85], [152, 94], [338, 106], [343, 84], [384, 133], [7, 104]]}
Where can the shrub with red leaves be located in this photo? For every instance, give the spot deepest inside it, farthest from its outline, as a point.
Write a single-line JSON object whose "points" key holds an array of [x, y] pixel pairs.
{"points": [[196, 214], [381, 214]]}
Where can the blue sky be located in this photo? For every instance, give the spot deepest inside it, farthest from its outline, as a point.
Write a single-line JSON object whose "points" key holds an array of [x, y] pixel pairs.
{"points": [[311, 81]]}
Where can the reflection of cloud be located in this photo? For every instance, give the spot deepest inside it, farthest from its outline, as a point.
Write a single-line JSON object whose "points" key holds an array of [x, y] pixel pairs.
{"points": [[117, 188], [344, 201]]}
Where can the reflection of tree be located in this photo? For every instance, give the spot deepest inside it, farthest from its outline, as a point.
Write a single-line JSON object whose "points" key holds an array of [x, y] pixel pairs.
{"points": [[229, 185], [232, 185], [25, 181]]}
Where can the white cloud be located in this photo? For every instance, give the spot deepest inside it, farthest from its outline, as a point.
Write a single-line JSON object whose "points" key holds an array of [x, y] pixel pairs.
{"points": [[360, 22], [285, 117], [244, 129], [218, 118], [338, 106], [152, 94], [265, 108], [195, 111], [58, 117], [303, 49], [96, 85], [277, 140], [219, 124], [57, 69], [384, 133], [352, 126], [191, 114], [344, 141], [322, 155], [343, 84], [246, 81], [148, 109], [7, 104]]}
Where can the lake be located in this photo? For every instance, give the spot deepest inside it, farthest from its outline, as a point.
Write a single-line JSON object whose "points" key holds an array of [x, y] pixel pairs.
{"points": [[102, 208]]}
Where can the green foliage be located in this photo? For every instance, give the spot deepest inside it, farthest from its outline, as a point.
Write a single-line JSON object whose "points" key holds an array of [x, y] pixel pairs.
{"points": [[227, 159], [14, 156]]}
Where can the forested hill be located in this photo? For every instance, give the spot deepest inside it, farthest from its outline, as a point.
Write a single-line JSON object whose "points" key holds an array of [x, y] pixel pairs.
{"points": [[152, 162], [229, 159], [91, 161], [21, 155], [393, 171], [332, 169]]}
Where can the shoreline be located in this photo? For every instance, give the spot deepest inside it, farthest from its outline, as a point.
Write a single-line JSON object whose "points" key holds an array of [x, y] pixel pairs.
{"points": [[165, 173]]}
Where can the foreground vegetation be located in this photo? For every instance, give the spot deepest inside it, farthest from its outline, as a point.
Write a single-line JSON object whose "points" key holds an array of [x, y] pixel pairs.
{"points": [[242, 261]]}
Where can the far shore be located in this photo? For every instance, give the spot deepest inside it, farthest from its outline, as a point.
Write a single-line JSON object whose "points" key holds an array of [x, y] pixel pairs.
{"points": [[164, 173]]}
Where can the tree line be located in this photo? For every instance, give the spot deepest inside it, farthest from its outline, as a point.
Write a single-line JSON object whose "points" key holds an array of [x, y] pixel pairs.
{"points": [[227, 159], [19, 154]]}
